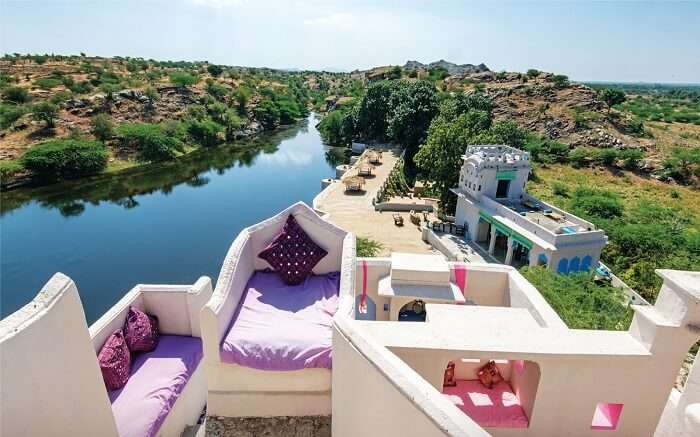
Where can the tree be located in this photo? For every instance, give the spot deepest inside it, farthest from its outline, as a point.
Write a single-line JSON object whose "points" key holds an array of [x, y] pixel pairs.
{"points": [[15, 94], [205, 132], [66, 158], [102, 127], [215, 70], [532, 73], [440, 159], [373, 111], [413, 106], [508, 132], [149, 140], [683, 164], [45, 112], [267, 113], [559, 80], [331, 129], [183, 80], [612, 97]]}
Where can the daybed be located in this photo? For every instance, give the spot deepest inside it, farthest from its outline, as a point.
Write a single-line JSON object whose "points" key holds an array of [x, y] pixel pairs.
{"points": [[267, 345], [50, 366]]}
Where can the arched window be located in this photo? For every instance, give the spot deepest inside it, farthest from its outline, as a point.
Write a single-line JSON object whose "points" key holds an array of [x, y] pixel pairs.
{"points": [[586, 263], [574, 265], [542, 260], [563, 266]]}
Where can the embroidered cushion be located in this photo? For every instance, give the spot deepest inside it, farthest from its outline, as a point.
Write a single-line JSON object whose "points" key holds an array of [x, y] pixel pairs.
{"points": [[140, 331], [489, 374], [293, 254], [115, 361]]}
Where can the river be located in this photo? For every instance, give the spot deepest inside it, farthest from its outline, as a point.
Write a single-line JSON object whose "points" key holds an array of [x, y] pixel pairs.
{"points": [[168, 223]]}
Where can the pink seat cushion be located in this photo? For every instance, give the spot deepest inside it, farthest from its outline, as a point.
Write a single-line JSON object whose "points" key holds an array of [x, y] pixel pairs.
{"points": [[293, 254], [157, 379], [497, 407], [283, 327]]}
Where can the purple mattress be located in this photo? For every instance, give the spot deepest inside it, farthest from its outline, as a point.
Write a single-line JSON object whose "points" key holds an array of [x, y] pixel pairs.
{"points": [[283, 327], [157, 379]]}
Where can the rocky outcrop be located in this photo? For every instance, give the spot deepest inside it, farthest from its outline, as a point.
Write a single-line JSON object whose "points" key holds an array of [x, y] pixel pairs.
{"points": [[452, 68]]}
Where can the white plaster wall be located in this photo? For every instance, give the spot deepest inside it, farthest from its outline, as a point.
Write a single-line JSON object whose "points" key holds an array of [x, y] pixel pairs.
{"points": [[50, 382]]}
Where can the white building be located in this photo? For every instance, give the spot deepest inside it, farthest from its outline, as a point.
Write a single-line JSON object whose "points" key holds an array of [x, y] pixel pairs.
{"points": [[513, 226]]}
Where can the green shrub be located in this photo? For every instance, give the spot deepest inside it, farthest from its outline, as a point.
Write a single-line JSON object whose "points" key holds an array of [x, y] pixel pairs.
{"points": [[560, 189], [205, 132], [9, 114], [532, 73], [102, 127], [580, 156], [66, 158], [331, 129], [215, 70], [580, 302], [683, 164], [267, 113], [559, 80], [631, 158], [10, 168], [46, 112], [598, 203], [217, 90], [47, 82], [15, 94], [82, 87], [607, 156], [149, 140], [182, 79], [366, 247]]}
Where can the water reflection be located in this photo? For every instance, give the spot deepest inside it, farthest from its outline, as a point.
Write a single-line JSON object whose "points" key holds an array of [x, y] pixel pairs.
{"points": [[70, 197]]}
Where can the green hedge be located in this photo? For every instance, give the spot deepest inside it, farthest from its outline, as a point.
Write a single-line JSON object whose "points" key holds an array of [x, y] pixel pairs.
{"points": [[66, 158]]}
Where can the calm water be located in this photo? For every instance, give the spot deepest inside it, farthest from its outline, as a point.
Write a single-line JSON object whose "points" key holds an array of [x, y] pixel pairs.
{"points": [[169, 224]]}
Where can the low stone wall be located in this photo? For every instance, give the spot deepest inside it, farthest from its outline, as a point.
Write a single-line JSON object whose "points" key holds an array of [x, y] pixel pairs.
{"points": [[283, 426], [402, 207]]}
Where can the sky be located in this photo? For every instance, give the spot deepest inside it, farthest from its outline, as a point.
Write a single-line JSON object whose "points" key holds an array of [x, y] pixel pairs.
{"points": [[586, 40]]}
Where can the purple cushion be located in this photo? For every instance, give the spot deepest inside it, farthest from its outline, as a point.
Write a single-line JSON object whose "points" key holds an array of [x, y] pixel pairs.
{"points": [[140, 330], [115, 361], [283, 327], [157, 380], [293, 254]]}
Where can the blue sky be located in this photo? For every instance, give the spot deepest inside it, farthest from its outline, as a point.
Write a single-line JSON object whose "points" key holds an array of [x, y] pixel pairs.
{"points": [[617, 41]]}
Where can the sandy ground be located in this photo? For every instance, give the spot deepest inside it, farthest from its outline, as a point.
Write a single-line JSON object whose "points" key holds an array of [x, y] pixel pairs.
{"points": [[355, 213]]}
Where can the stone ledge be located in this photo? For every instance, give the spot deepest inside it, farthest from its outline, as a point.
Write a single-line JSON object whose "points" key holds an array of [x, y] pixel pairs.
{"points": [[283, 426]]}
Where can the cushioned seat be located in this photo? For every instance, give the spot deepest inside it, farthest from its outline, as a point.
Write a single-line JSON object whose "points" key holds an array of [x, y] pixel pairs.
{"points": [[498, 407], [157, 379], [283, 327]]}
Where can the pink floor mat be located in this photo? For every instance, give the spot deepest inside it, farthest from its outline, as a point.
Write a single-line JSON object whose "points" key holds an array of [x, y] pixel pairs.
{"points": [[498, 407]]}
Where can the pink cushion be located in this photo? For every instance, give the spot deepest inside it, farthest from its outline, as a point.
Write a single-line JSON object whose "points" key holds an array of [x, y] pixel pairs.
{"points": [[157, 380], [140, 330], [293, 254], [496, 407], [115, 361]]}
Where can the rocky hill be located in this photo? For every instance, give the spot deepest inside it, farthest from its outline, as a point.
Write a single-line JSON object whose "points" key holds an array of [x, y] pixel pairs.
{"points": [[453, 69]]}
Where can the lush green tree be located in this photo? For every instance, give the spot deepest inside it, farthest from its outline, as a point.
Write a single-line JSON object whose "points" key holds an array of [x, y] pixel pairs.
{"points": [[182, 79], [215, 70], [66, 158], [373, 111], [612, 96], [267, 113], [331, 129], [205, 132], [440, 159], [232, 123], [218, 91], [46, 112], [149, 140], [102, 127], [597, 203], [532, 73], [547, 151], [508, 132], [15, 94], [631, 158], [559, 80], [413, 106], [464, 102]]}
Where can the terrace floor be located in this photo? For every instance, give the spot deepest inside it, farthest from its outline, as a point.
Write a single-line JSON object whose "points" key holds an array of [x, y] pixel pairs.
{"points": [[355, 213]]}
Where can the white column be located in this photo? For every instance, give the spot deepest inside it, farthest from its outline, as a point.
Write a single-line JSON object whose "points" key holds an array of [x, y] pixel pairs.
{"points": [[509, 252], [492, 242]]}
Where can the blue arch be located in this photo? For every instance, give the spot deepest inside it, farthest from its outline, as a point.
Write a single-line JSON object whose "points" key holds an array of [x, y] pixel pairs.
{"points": [[371, 313], [574, 264], [563, 266], [542, 259], [586, 263]]}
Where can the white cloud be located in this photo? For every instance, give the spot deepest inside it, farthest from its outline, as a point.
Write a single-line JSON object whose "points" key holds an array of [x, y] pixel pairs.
{"points": [[340, 22]]}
